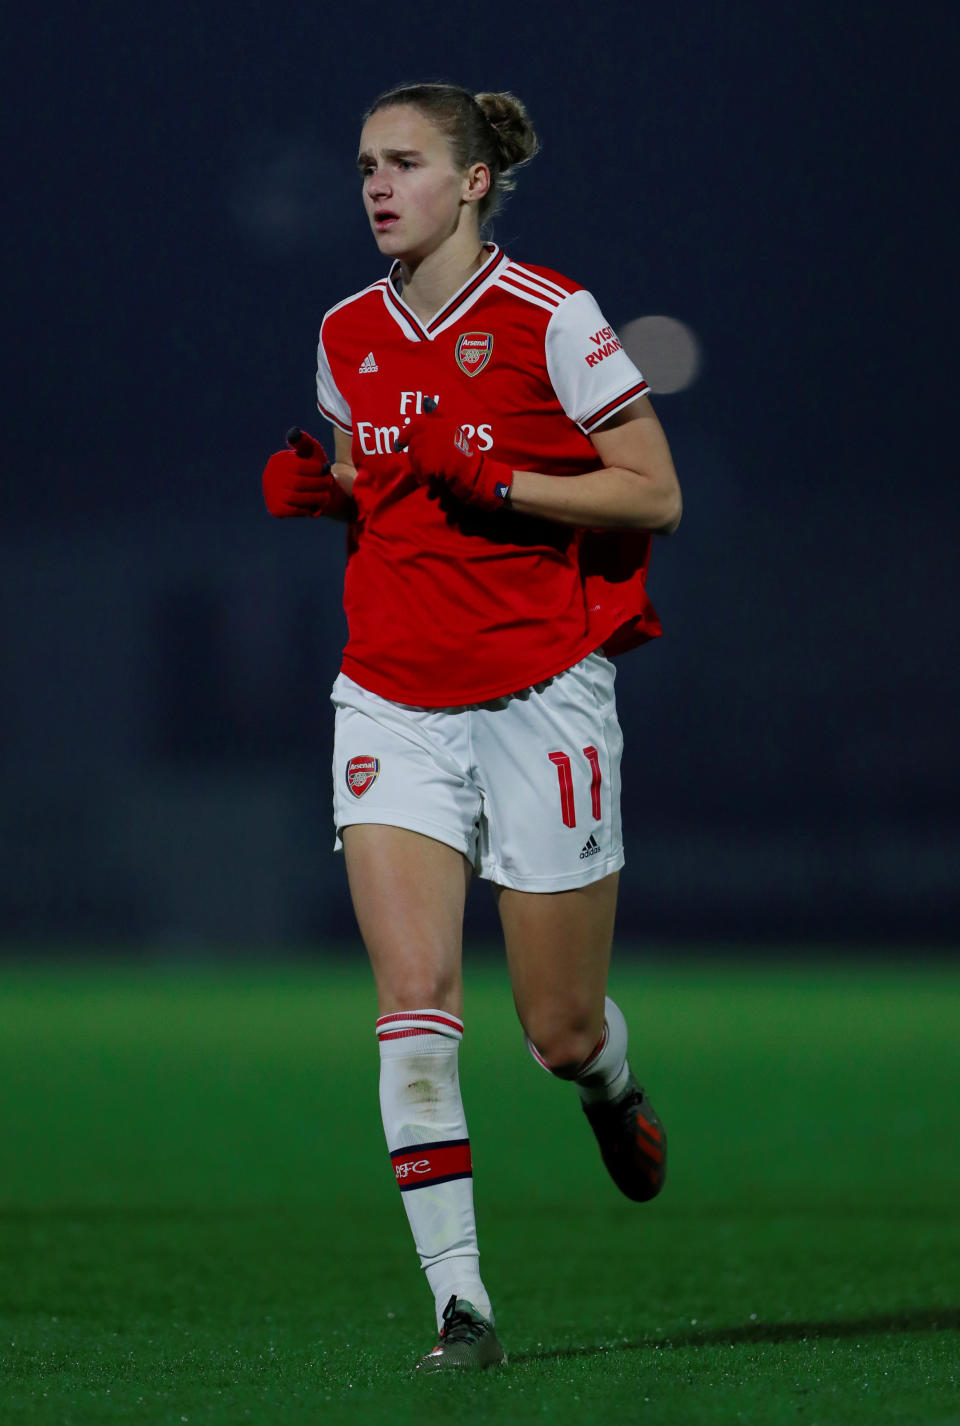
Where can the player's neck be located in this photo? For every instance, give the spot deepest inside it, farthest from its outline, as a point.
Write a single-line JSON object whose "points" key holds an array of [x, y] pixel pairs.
{"points": [[428, 283]]}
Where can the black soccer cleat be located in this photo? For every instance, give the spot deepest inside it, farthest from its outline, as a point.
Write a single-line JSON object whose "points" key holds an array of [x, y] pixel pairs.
{"points": [[467, 1341], [632, 1141]]}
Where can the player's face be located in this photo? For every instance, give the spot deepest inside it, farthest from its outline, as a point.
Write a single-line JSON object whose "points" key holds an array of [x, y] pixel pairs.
{"points": [[412, 192]]}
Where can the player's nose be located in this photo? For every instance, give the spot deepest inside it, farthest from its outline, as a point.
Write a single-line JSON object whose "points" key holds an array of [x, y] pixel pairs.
{"points": [[377, 185]]}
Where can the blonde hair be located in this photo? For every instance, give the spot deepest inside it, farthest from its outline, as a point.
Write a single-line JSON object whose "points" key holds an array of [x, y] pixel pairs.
{"points": [[493, 129]]}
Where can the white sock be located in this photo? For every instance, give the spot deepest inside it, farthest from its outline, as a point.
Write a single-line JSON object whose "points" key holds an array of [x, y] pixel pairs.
{"points": [[604, 1073], [426, 1131]]}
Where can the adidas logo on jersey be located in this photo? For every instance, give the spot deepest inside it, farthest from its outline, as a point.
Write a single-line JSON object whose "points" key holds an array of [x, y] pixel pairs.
{"points": [[591, 847], [369, 363]]}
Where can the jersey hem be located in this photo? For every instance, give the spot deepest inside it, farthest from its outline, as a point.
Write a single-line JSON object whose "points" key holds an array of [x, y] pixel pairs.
{"points": [[466, 698]]}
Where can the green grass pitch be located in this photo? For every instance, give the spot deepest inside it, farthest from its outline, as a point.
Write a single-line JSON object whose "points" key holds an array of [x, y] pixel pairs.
{"points": [[199, 1223]]}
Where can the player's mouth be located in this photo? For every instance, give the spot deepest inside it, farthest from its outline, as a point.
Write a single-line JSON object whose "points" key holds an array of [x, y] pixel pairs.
{"points": [[383, 220]]}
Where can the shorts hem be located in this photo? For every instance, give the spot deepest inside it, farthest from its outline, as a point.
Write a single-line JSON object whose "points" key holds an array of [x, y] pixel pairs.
{"points": [[407, 823], [569, 881]]}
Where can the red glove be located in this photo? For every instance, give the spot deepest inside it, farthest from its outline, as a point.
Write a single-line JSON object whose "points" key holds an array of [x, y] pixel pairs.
{"points": [[440, 449], [299, 482]]}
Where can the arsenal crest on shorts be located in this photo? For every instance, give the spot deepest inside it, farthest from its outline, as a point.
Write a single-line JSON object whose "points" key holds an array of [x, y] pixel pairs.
{"points": [[473, 351], [362, 773]]}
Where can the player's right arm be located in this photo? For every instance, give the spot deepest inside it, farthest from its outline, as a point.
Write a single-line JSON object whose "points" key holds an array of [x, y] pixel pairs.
{"points": [[343, 468], [332, 404]]}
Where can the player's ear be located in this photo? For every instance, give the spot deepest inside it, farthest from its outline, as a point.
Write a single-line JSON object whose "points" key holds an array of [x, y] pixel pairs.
{"points": [[476, 183]]}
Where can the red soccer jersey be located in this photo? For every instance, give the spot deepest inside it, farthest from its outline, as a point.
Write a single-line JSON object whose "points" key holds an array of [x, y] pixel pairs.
{"points": [[447, 605]]}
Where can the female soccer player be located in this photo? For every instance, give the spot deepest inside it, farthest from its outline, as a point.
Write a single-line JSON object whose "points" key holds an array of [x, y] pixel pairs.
{"points": [[501, 470]]}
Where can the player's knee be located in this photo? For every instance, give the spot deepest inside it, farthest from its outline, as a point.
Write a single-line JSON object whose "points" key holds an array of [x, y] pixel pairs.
{"points": [[562, 1050], [565, 1070], [418, 990]]}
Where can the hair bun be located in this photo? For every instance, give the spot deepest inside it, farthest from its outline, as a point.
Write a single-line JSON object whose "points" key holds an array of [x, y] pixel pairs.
{"points": [[507, 116]]}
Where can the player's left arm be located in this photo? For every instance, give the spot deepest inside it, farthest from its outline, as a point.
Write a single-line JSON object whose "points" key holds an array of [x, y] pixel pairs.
{"points": [[636, 487]]}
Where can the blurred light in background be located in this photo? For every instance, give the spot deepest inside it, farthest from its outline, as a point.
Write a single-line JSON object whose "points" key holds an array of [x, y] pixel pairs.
{"points": [[665, 350], [285, 191]]}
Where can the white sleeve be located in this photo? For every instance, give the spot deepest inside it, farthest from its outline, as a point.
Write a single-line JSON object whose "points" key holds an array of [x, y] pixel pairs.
{"points": [[588, 368], [330, 402]]}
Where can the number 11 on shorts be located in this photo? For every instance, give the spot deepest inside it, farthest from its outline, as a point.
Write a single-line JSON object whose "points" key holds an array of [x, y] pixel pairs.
{"points": [[561, 762]]}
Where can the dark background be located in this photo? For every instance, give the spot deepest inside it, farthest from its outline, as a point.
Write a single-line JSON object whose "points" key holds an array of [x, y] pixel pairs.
{"points": [[183, 207]]}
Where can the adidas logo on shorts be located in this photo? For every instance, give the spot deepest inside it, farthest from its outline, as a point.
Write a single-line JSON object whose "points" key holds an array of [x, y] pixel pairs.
{"points": [[591, 848], [369, 363]]}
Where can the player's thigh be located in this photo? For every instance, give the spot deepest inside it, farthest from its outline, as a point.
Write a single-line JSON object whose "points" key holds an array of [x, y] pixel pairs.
{"points": [[408, 895], [406, 811], [558, 951]]}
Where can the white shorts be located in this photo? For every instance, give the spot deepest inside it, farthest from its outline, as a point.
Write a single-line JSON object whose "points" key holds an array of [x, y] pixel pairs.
{"points": [[526, 787]]}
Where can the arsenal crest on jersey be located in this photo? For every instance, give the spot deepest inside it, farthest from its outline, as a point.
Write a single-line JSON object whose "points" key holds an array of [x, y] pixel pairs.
{"points": [[473, 351], [362, 773]]}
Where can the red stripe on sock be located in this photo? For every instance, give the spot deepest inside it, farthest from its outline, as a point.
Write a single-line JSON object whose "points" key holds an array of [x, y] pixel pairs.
{"points": [[538, 1057], [447, 1020], [417, 1167], [596, 1051], [402, 1034]]}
